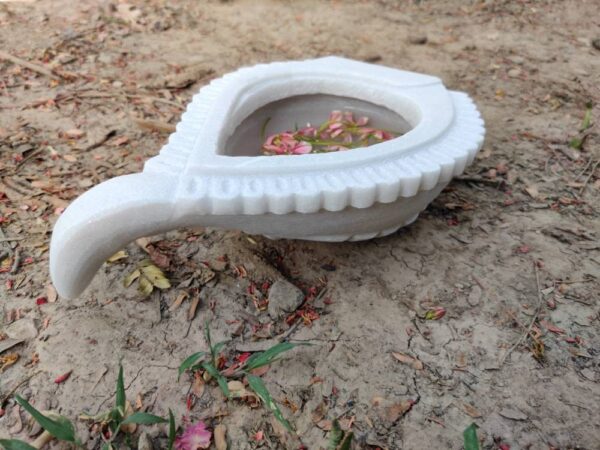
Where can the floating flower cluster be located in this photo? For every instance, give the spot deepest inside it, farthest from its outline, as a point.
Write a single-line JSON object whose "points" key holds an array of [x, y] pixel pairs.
{"points": [[340, 132]]}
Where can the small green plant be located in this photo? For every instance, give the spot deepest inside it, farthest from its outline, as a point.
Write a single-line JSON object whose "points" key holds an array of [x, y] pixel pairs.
{"points": [[338, 438], [208, 361], [577, 142], [113, 421], [470, 438], [58, 426]]}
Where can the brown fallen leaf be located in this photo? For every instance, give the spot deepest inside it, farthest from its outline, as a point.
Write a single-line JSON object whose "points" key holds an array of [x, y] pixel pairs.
{"points": [[406, 359], [198, 385], [397, 410], [220, 437], [471, 410], [533, 191]]}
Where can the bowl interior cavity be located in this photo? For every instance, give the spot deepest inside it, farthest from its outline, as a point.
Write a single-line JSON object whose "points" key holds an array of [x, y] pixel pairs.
{"points": [[295, 112]]}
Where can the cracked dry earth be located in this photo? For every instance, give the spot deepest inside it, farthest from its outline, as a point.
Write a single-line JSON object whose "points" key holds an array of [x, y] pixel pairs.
{"points": [[510, 250]]}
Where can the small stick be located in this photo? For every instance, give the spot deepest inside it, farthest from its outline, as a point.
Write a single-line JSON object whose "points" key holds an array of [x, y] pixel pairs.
{"points": [[16, 261], [31, 66], [467, 179], [533, 320], [589, 177], [193, 306], [11, 238]]}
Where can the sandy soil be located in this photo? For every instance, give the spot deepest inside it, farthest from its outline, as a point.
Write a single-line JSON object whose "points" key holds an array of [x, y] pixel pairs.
{"points": [[510, 251]]}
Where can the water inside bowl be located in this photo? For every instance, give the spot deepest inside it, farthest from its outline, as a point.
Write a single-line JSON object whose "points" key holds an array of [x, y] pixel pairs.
{"points": [[295, 112]]}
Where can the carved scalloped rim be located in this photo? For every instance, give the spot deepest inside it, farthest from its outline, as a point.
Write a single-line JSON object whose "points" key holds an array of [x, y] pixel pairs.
{"points": [[333, 189]]}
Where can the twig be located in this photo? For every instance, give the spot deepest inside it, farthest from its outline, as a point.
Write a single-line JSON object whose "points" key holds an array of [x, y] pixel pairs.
{"points": [[31, 66], [11, 238], [467, 179], [533, 319], [589, 177], [155, 125], [16, 261]]}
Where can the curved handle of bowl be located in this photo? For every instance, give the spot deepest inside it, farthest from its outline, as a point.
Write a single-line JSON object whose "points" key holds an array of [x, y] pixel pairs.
{"points": [[102, 221]]}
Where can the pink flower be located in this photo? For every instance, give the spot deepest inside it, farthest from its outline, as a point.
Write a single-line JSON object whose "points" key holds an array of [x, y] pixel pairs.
{"points": [[194, 437], [307, 131], [301, 148], [335, 116]]}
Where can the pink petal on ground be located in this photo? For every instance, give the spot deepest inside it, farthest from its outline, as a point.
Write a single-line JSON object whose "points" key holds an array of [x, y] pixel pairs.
{"points": [[194, 437]]}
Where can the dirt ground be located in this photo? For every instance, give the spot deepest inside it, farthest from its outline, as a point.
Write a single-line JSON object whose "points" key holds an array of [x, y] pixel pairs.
{"points": [[510, 250]]}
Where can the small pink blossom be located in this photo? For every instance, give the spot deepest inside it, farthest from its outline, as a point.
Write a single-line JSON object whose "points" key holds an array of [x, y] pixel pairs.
{"points": [[194, 437]]}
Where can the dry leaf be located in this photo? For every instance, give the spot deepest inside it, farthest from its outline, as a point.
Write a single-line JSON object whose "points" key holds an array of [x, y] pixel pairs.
{"points": [[51, 293], [238, 390], [121, 254], [193, 307], [397, 410], [8, 360], [198, 385], [532, 190], [131, 277], [145, 287], [471, 410], [154, 275], [178, 301], [405, 359]]}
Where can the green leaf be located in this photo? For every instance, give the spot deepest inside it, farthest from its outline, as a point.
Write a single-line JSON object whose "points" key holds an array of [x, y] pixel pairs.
{"points": [[576, 143], [268, 356], [172, 430], [345, 445], [189, 362], [61, 428], [143, 418], [470, 438], [335, 436], [218, 347], [587, 118], [258, 386], [120, 395], [212, 370], [107, 446], [15, 444]]}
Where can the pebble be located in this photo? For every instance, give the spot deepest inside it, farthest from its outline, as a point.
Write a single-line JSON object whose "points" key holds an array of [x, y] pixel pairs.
{"points": [[284, 298], [417, 39], [22, 329], [474, 296], [596, 43], [514, 73], [513, 414]]}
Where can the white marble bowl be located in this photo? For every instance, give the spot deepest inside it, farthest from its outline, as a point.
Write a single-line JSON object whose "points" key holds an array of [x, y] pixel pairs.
{"points": [[209, 173]]}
